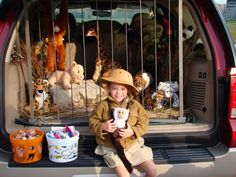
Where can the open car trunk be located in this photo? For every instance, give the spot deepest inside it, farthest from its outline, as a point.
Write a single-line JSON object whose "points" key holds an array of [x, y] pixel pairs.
{"points": [[142, 37]]}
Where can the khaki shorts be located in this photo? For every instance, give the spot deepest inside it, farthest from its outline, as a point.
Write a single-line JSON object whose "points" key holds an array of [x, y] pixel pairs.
{"points": [[136, 154]]}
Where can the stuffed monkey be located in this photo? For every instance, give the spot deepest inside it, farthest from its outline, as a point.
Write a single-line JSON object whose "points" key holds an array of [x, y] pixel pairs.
{"points": [[56, 29], [120, 116]]}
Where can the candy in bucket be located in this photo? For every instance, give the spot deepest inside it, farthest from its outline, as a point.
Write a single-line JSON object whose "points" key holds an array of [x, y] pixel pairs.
{"points": [[27, 145], [63, 144]]}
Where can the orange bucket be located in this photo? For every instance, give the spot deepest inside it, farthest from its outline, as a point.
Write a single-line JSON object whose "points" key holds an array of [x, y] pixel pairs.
{"points": [[29, 150]]}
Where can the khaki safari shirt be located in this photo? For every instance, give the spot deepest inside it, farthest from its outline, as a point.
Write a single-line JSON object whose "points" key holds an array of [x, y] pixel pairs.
{"points": [[138, 121]]}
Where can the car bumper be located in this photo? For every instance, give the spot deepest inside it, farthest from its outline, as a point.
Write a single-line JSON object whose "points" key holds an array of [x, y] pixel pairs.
{"points": [[222, 165]]}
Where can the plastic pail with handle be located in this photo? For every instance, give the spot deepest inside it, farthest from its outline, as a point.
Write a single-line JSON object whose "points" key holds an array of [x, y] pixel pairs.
{"points": [[27, 150], [63, 150]]}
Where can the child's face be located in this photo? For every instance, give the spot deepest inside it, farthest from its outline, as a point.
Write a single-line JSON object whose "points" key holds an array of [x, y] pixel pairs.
{"points": [[118, 91]]}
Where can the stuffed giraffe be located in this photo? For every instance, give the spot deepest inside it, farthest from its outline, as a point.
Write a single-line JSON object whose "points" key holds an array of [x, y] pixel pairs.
{"points": [[103, 65], [56, 29]]}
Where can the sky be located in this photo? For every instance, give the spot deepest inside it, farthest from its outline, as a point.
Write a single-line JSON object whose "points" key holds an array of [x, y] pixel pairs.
{"points": [[220, 1]]}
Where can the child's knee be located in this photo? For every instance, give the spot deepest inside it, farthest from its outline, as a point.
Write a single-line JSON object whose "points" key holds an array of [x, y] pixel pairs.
{"points": [[152, 170]]}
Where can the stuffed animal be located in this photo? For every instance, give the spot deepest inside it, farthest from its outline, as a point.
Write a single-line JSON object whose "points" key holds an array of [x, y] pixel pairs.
{"points": [[142, 80], [120, 116], [157, 100], [170, 90], [56, 29], [42, 102], [75, 75], [188, 32], [192, 47], [103, 65], [191, 40], [119, 45]]}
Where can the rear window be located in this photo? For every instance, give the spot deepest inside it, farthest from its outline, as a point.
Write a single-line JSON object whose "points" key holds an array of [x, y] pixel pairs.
{"points": [[120, 15]]}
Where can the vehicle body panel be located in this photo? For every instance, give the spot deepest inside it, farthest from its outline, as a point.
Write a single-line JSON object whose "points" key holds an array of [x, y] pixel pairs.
{"points": [[224, 130], [223, 165]]}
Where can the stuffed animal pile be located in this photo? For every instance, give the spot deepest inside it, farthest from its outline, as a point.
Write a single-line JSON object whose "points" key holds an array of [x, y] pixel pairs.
{"points": [[166, 91]]}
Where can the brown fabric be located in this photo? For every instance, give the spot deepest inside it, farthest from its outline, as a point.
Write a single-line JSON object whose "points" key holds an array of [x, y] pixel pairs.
{"points": [[121, 153], [120, 76], [138, 121], [136, 154]]}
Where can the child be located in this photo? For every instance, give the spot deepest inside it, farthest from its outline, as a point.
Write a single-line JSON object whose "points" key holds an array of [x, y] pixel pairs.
{"points": [[122, 148]]}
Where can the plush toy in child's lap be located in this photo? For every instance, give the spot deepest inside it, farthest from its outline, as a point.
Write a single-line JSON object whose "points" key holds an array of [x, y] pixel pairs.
{"points": [[120, 116]]}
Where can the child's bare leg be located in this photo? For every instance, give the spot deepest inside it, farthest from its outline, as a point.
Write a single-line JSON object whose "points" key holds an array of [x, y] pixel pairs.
{"points": [[150, 168], [121, 171]]}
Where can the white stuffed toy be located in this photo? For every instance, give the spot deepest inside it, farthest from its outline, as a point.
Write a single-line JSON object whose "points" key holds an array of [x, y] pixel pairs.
{"points": [[188, 32], [170, 90], [120, 115]]}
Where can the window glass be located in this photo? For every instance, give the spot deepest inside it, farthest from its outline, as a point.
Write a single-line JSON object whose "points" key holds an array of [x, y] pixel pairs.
{"points": [[228, 10], [118, 14]]}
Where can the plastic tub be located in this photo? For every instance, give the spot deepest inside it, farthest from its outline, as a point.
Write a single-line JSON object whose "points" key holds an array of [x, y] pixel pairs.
{"points": [[63, 150], [27, 151]]}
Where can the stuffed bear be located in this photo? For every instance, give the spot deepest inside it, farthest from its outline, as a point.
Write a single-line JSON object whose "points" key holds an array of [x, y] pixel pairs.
{"points": [[120, 116], [56, 29], [74, 75], [170, 90]]}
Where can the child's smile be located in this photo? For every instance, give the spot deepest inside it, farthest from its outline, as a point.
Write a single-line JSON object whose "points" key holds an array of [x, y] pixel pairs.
{"points": [[118, 91]]}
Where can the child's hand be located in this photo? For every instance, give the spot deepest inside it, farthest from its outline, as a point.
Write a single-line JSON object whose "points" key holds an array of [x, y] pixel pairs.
{"points": [[109, 126], [124, 133]]}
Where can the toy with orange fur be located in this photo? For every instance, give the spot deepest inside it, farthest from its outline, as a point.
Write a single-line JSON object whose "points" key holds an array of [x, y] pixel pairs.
{"points": [[56, 30]]}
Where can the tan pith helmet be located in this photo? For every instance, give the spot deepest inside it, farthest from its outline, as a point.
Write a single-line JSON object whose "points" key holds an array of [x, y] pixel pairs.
{"points": [[121, 76]]}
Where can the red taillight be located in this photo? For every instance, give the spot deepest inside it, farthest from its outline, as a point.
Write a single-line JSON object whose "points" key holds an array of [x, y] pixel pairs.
{"points": [[232, 109], [232, 103]]}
